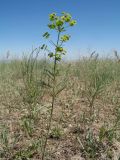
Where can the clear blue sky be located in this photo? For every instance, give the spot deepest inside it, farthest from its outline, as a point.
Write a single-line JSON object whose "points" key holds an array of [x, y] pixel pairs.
{"points": [[22, 23]]}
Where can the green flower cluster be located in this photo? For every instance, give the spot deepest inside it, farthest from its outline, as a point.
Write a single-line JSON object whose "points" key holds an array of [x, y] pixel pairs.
{"points": [[52, 16], [59, 52], [65, 38], [59, 21]]}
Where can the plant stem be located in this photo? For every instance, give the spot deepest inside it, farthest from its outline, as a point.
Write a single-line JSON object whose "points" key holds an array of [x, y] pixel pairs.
{"points": [[53, 97]]}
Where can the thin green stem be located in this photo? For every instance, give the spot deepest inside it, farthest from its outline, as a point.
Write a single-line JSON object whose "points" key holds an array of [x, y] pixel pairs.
{"points": [[53, 97]]}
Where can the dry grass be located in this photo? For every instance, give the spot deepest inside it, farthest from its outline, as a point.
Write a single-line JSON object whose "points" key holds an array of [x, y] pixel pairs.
{"points": [[86, 119]]}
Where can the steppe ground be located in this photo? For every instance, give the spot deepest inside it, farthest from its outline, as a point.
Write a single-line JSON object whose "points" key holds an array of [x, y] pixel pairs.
{"points": [[86, 121]]}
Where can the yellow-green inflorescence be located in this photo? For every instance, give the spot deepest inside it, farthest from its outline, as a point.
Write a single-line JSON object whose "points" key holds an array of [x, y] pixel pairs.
{"points": [[59, 23]]}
